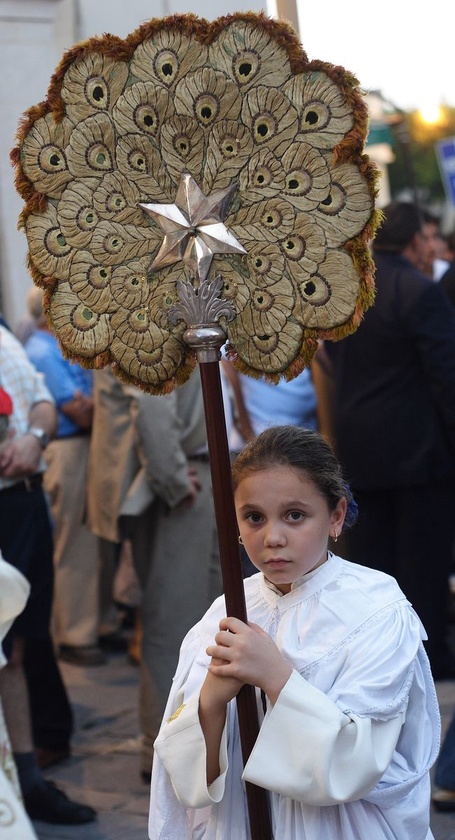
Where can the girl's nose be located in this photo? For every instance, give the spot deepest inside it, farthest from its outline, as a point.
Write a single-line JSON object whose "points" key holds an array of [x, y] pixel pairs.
{"points": [[274, 535]]}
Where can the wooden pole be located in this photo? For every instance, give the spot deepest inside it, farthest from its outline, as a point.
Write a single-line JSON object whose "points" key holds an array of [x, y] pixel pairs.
{"points": [[231, 569]]}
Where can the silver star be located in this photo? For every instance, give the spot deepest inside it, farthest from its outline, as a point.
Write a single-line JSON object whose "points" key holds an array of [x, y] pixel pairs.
{"points": [[193, 227]]}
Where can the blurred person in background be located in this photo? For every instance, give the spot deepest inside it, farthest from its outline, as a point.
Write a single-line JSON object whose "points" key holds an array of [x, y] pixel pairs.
{"points": [[75, 619], [430, 262], [448, 278], [174, 540], [394, 426], [150, 486], [113, 465], [36, 695], [258, 404]]}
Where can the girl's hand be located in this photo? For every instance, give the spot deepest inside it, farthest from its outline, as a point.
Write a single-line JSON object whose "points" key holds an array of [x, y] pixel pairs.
{"points": [[219, 690], [246, 654], [216, 693]]}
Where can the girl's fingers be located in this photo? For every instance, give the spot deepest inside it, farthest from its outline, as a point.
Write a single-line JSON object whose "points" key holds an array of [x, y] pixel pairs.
{"points": [[257, 628], [226, 637], [218, 652], [233, 625]]}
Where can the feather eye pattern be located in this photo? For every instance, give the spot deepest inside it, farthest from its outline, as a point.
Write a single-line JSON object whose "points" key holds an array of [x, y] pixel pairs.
{"points": [[234, 103]]}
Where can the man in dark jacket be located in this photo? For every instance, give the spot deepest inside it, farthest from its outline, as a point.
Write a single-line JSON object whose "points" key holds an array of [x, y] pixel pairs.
{"points": [[394, 416]]}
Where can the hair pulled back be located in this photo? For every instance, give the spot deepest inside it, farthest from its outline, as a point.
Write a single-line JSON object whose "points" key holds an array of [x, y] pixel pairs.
{"points": [[299, 449]]}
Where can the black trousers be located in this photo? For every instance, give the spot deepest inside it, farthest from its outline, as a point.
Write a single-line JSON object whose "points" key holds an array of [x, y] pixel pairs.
{"points": [[409, 533], [26, 543]]}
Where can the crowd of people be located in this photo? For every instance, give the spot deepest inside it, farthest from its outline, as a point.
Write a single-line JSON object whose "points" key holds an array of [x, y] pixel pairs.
{"points": [[106, 511]]}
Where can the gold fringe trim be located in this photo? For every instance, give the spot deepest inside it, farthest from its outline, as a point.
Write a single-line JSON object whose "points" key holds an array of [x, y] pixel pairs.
{"points": [[351, 149]]}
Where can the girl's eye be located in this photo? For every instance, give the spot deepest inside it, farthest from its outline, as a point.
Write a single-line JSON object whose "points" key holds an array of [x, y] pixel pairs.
{"points": [[295, 515], [254, 517]]}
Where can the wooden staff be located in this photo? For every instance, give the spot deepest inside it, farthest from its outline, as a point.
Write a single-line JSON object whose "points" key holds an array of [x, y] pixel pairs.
{"points": [[206, 342]]}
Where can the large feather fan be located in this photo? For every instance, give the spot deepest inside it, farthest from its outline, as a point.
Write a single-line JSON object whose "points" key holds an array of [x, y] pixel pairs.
{"points": [[232, 102]]}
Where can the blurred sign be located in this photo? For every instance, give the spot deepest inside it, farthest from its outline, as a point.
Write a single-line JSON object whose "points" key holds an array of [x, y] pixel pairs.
{"points": [[446, 159]]}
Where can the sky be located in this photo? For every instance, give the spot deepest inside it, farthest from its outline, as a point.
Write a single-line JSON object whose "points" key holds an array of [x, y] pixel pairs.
{"points": [[403, 49]]}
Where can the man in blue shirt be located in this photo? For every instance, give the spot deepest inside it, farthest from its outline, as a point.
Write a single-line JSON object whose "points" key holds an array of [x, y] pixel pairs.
{"points": [[76, 595]]}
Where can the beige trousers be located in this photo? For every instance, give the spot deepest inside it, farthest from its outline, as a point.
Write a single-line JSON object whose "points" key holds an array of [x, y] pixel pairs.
{"points": [[177, 559], [76, 590]]}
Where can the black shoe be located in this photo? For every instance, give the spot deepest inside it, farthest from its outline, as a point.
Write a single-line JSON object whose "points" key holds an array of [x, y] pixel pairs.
{"points": [[48, 803], [127, 615], [83, 655], [113, 642], [443, 669], [46, 758], [443, 800]]}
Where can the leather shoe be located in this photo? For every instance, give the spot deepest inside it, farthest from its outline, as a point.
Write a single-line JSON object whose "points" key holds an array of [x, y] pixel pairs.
{"points": [[84, 655], [443, 800], [46, 758], [113, 642], [48, 803]]}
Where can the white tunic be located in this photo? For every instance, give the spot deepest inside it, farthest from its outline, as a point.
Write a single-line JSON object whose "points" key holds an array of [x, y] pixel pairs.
{"points": [[345, 751]]}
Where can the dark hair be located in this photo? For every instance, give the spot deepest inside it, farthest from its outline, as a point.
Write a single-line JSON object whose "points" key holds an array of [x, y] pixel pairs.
{"points": [[450, 240], [430, 218], [298, 449], [401, 222]]}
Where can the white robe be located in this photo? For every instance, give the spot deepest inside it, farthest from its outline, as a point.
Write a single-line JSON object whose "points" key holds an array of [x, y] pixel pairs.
{"points": [[14, 822], [345, 751]]}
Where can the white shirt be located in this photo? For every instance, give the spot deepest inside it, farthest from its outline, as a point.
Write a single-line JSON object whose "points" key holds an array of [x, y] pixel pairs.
{"points": [[292, 402], [23, 383], [346, 749]]}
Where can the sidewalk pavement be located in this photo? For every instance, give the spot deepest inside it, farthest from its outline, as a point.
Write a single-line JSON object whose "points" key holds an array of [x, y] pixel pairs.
{"points": [[103, 770]]}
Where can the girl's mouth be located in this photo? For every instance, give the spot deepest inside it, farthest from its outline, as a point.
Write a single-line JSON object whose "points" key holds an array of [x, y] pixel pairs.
{"points": [[276, 563]]}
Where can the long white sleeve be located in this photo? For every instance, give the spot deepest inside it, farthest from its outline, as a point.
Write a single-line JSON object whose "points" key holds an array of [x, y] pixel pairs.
{"points": [[308, 750], [181, 747]]}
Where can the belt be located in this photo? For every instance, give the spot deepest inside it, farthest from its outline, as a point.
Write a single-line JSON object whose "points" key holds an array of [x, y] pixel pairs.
{"points": [[25, 485], [72, 435], [203, 457]]}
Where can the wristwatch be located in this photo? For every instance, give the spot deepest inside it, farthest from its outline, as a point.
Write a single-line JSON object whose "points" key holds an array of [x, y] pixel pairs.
{"points": [[40, 434]]}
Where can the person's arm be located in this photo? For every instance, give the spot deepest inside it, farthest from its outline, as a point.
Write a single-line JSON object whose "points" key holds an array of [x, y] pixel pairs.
{"points": [[307, 748], [431, 321], [241, 654], [21, 455], [242, 419], [310, 751], [322, 375], [161, 452], [44, 415], [181, 748], [215, 695], [193, 742], [79, 410]]}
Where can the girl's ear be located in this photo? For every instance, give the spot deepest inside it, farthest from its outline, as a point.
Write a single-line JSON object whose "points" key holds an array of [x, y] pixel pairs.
{"points": [[338, 515]]}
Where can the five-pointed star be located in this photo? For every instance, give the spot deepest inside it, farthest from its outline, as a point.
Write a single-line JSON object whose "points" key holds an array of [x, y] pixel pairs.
{"points": [[193, 227]]}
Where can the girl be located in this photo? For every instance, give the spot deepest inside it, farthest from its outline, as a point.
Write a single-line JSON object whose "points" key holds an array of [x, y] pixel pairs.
{"points": [[351, 727]]}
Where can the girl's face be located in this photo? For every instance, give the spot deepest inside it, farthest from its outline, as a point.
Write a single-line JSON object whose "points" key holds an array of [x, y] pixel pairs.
{"points": [[285, 523]]}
